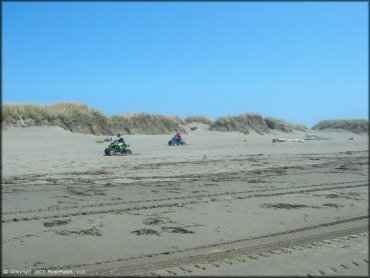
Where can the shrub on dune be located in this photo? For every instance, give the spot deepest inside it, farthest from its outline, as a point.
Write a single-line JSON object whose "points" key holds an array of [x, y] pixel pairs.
{"points": [[241, 123], [356, 126], [282, 125], [144, 123], [253, 121]]}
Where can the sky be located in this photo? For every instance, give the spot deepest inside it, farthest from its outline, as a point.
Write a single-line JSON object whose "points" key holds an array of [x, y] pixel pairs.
{"points": [[302, 62]]}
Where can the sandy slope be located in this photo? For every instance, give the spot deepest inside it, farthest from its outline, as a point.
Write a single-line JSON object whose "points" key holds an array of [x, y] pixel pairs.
{"points": [[225, 197]]}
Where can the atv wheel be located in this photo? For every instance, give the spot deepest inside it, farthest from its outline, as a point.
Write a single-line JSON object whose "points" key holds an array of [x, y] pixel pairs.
{"points": [[106, 151], [182, 143], [127, 152], [111, 151], [171, 143]]}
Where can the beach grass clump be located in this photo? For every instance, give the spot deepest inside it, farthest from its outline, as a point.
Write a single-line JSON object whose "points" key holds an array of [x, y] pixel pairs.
{"points": [[257, 123], [355, 126], [253, 121], [12, 113], [198, 119], [78, 117], [81, 118], [278, 125], [241, 123], [144, 123], [283, 126], [72, 116]]}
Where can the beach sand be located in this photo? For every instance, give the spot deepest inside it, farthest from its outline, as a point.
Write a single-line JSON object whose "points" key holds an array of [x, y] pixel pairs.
{"points": [[225, 203]]}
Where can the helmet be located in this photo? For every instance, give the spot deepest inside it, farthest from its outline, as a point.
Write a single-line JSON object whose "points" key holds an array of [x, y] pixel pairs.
{"points": [[118, 134]]}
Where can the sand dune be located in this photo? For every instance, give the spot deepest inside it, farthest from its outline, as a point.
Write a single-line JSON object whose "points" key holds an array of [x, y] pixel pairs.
{"points": [[225, 203]]}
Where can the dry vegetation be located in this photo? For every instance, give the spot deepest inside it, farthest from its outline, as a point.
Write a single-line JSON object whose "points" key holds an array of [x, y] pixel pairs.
{"points": [[80, 118], [355, 126], [143, 123], [241, 123], [246, 122], [75, 117], [283, 125]]}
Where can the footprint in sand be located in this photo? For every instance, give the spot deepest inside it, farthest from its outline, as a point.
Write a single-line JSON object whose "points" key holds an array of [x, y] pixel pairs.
{"points": [[179, 230], [57, 222], [145, 232]]}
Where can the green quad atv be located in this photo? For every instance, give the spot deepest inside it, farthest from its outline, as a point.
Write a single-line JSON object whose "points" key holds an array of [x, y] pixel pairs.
{"points": [[114, 148]]}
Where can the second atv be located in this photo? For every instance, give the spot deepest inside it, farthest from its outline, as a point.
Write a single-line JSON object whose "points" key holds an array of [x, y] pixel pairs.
{"points": [[175, 142]]}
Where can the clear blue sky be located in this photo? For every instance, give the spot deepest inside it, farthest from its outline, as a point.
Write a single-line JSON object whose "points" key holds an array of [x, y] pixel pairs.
{"points": [[298, 61]]}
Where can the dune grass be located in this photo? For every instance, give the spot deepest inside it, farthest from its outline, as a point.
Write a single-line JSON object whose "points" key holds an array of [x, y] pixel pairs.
{"points": [[355, 126], [282, 125], [80, 118], [198, 119], [253, 121], [72, 116], [241, 123], [143, 123]]}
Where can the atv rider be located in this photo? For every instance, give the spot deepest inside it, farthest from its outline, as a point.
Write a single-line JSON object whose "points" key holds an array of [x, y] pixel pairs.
{"points": [[178, 137], [121, 142]]}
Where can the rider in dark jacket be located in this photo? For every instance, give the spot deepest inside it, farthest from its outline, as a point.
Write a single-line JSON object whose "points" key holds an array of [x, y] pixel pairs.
{"points": [[121, 141]]}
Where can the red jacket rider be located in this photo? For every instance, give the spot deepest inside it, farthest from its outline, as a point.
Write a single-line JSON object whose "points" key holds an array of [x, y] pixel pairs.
{"points": [[178, 136]]}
